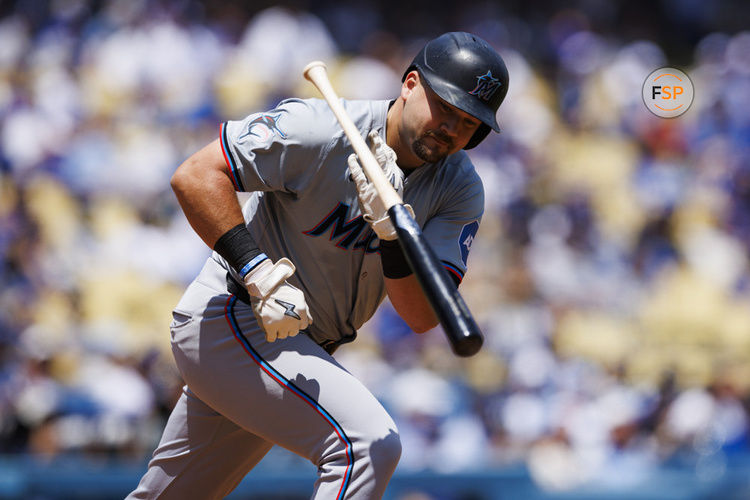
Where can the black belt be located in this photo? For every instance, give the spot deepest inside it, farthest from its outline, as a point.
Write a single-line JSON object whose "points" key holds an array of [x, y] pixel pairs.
{"points": [[240, 292]]}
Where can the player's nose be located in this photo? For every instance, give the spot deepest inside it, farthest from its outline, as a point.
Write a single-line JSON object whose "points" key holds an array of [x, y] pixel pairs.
{"points": [[449, 126]]}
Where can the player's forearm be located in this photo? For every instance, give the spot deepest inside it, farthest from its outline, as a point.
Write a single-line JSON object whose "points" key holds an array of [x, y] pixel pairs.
{"points": [[206, 194], [409, 301]]}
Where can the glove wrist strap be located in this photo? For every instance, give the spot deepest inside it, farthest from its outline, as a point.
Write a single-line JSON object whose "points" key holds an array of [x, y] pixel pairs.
{"points": [[270, 277], [239, 248]]}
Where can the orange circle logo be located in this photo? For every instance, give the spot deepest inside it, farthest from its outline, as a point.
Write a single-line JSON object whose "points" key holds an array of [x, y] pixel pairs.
{"points": [[667, 92]]}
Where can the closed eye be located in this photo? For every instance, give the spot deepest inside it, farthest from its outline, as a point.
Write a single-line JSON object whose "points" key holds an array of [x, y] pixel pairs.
{"points": [[467, 122], [471, 123]]}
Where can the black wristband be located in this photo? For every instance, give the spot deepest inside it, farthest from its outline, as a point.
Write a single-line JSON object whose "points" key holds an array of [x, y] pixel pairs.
{"points": [[238, 247], [393, 260]]}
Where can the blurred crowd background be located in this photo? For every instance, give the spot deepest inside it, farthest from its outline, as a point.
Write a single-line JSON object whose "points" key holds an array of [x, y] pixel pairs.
{"points": [[610, 274]]}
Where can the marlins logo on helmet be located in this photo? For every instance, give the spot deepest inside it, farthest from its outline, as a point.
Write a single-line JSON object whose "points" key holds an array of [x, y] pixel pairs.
{"points": [[486, 86]]}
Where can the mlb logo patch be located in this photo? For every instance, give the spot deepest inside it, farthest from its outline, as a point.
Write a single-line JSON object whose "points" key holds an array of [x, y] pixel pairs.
{"points": [[466, 238]]}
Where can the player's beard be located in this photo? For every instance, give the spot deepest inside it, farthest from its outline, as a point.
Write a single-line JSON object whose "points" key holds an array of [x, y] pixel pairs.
{"points": [[432, 154]]}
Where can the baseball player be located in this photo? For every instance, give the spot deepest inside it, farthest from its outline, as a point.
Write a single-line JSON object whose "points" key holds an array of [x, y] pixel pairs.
{"points": [[304, 263]]}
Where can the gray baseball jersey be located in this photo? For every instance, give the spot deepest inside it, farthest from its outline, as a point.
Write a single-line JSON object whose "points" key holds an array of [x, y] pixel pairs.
{"points": [[243, 394], [304, 207]]}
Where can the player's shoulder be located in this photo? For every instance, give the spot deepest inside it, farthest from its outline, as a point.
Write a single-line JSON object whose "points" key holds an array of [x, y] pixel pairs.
{"points": [[366, 114], [459, 169], [290, 121], [460, 183], [304, 110], [304, 121], [366, 107], [354, 107]]}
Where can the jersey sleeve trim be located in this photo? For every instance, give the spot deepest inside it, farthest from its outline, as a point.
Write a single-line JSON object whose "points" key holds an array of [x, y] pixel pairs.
{"points": [[455, 272], [238, 186]]}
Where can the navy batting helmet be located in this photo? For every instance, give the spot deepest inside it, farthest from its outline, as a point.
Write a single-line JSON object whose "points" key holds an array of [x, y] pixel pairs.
{"points": [[467, 72]]}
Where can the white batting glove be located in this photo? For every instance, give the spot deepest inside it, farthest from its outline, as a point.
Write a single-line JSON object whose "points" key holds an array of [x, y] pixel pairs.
{"points": [[279, 307], [370, 204]]}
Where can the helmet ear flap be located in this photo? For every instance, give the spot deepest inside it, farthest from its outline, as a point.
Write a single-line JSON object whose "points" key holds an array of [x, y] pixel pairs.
{"points": [[478, 136]]}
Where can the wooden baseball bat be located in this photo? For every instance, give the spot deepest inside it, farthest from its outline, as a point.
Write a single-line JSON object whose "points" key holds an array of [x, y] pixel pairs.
{"points": [[459, 325]]}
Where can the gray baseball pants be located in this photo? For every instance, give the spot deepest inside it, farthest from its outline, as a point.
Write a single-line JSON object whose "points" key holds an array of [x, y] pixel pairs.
{"points": [[244, 395]]}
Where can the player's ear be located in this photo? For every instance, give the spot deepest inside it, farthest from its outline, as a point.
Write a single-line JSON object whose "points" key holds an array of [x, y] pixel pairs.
{"points": [[410, 83]]}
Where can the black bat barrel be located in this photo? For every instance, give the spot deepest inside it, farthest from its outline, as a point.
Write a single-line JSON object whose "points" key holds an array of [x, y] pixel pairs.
{"points": [[462, 331]]}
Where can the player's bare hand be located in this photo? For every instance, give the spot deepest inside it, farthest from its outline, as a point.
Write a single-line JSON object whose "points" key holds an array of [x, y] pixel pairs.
{"points": [[279, 306], [370, 204]]}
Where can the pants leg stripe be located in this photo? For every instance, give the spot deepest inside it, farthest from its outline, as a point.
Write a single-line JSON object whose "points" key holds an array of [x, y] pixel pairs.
{"points": [[288, 384]]}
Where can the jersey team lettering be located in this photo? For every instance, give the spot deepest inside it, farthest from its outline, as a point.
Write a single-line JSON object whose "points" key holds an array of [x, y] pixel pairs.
{"points": [[347, 231]]}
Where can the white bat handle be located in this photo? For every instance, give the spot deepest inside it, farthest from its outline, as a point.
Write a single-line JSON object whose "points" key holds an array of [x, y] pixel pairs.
{"points": [[316, 73]]}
